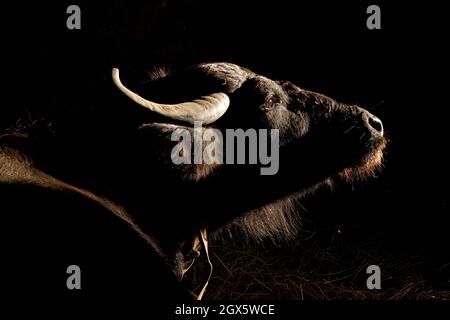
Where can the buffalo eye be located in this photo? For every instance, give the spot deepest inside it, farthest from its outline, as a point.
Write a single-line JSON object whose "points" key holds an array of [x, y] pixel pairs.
{"points": [[273, 102]]}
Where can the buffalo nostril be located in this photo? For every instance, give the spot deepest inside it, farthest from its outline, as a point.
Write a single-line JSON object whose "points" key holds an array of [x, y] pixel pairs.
{"points": [[376, 124]]}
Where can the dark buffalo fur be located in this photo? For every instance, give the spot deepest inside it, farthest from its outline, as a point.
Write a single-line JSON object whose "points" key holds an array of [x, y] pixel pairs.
{"points": [[117, 154]]}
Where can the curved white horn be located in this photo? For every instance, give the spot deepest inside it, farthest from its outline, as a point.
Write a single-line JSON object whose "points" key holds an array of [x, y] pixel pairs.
{"points": [[207, 109]]}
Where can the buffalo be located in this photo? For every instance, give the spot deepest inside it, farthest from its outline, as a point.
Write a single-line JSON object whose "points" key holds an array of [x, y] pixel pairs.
{"points": [[101, 184]]}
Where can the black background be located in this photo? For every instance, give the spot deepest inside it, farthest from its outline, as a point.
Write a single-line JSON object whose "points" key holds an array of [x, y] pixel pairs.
{"points": [[399, 73]]}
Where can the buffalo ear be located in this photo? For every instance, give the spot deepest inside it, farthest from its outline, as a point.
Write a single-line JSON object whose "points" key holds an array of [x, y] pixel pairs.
{"points": [[156, 139], [161, 129], [159, 136]]}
